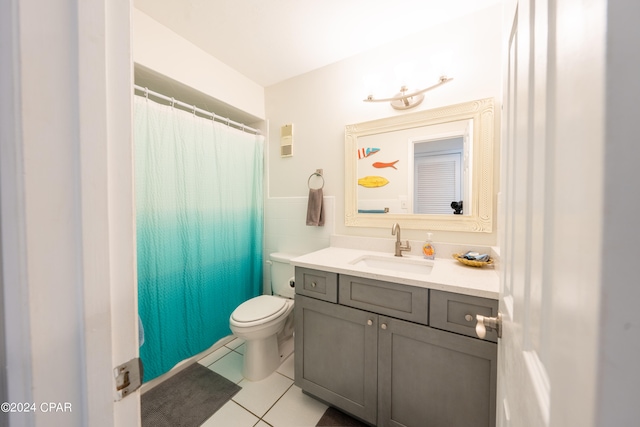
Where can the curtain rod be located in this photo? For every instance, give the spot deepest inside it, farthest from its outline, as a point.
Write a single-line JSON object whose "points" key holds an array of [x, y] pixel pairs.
{"points": [[195, 109]]}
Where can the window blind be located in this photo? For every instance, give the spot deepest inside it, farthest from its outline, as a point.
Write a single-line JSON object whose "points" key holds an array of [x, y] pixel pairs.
{"points": [[437, 183]]}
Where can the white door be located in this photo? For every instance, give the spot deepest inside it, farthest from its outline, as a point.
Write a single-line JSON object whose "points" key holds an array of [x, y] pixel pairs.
{"points": [[551, 213], [67, 223], [523, 381]]}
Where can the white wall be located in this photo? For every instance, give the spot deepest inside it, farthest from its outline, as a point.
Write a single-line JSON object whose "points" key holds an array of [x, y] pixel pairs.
{"points": [[165, 52], [286, 230], [319, 104]]}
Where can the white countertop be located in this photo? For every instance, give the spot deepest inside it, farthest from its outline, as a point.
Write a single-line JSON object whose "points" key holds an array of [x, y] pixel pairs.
{"points": [[447, 274]]}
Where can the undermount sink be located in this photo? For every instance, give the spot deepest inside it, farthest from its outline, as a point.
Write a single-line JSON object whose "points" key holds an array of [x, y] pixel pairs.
{"points": [[399, 264]]}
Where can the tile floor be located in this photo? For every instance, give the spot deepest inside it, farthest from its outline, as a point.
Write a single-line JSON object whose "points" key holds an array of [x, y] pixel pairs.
{"points": [[272, 402]]}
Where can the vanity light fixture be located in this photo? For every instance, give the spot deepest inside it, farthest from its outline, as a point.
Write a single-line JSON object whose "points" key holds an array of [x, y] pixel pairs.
{"points": [[404, 99]]}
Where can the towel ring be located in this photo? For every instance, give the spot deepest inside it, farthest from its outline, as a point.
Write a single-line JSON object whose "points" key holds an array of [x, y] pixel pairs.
{"points": [[309, 181]]}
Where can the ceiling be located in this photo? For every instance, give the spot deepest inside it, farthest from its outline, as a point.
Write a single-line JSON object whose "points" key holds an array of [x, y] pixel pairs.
{"points": [[272, 41]]}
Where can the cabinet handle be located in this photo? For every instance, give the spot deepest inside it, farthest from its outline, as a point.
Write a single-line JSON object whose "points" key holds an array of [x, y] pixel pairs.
{"points": [[383, 326], [369, 322], [313, 284], [468, 317], [485, 323]]}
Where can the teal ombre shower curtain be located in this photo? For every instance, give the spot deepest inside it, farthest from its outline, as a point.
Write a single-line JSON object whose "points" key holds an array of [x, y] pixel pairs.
{"points": [[199, 216]]}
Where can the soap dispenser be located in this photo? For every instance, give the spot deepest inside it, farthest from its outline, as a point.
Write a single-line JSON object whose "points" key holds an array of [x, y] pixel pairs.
{"points": [[427, 249]]}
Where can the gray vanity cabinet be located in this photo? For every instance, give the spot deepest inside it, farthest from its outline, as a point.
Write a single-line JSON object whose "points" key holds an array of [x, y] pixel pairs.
{"points": [[373, 353], [428, 377]]}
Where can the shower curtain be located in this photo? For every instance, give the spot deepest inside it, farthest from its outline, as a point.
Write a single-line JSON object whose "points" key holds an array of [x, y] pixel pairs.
{"points": [[199, 217]]}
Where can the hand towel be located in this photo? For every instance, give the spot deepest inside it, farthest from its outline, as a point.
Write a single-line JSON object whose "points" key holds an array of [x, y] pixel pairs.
{"points": [[315, 207]]}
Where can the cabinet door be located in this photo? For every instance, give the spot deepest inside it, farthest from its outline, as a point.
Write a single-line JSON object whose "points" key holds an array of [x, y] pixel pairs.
{"points": [[336, 355], [432, 378]]}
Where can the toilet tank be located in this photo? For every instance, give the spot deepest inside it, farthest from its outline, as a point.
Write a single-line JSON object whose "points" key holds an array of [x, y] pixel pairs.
{"points": [[282, 272]]}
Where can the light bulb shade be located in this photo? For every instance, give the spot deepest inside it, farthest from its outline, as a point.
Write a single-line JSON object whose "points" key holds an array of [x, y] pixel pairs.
{"points": [[404, 74], [371, 83]]}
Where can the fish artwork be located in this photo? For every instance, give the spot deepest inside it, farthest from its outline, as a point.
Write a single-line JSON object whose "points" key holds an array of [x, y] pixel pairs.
{"points": [[373, 181], [385, 165], [366, 152]]}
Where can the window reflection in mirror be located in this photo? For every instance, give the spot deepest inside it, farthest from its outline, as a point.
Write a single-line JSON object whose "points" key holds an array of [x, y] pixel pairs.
{"points": [[437, 176]]}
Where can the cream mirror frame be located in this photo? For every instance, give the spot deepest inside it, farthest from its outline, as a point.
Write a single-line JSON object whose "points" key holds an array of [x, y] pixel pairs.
{"points": [[478, 216]]}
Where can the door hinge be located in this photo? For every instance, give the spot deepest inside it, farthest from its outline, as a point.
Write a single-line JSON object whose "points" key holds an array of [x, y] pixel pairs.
{"points": [[128, 377]]}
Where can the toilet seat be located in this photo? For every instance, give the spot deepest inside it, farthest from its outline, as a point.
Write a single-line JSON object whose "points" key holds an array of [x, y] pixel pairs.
{"points": [[259, 310]]}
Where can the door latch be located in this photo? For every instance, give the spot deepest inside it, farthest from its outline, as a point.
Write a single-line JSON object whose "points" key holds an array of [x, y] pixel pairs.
{"points": [[485, 323], [128, 377]]}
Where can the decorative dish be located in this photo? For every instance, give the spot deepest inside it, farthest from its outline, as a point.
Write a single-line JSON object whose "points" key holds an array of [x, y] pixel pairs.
{"points": [[472, 262]]}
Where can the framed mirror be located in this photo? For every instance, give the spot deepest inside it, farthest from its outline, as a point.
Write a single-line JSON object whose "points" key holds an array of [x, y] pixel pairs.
{"points": [[428, 170]]}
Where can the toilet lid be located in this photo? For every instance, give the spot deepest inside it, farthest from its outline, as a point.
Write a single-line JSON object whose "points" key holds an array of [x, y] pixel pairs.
{"points": [[259, 308]]}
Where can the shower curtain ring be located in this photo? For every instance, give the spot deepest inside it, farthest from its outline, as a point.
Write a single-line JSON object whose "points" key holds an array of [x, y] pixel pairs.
{"points": [[173, 101], [146, 92]]}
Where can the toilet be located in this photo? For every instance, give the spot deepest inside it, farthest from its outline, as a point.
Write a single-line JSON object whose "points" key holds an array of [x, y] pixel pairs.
{"points": [[266, 322]]}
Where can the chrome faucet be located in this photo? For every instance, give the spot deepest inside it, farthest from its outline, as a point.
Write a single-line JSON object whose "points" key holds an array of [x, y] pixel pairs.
{"points": [[395, 231]]}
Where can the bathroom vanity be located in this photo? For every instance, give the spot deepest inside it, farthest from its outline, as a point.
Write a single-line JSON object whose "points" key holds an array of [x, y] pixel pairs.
{"points": [[396, 345]]}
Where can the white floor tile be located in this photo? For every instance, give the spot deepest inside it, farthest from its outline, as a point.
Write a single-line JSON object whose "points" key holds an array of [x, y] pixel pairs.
{"points": [[212, 357], [240, 348], [259, 396], [287, 368], [295, 409], [229, 366], [231, 414], [237, 342]]}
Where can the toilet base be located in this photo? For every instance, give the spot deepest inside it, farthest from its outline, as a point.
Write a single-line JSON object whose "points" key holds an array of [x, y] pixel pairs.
{"points": [[285, 339], [286, 348], [263, 357]]}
